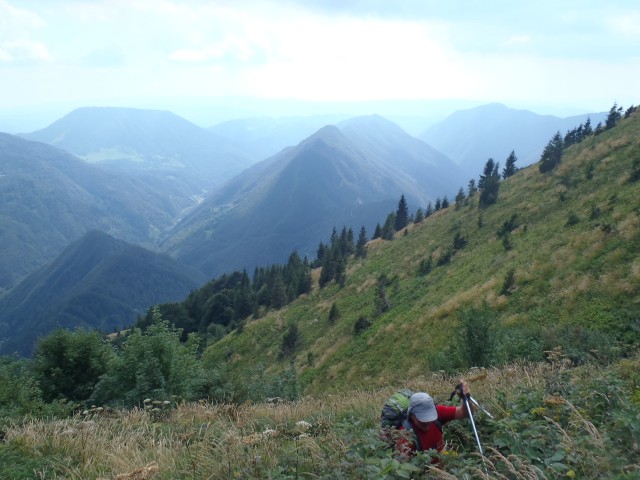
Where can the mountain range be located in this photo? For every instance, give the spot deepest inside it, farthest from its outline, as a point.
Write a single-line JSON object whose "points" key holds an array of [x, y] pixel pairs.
{"points": [[470, 137], [341, 176], [151, 179], [50, 198], [97, 282], [144, 141]]}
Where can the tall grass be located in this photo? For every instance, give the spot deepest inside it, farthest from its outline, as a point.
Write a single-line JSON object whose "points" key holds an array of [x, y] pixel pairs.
{"points": [[552, 420]]}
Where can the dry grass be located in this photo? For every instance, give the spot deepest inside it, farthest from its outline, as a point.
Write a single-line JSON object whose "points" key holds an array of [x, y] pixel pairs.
{"points": [[220, 441]]}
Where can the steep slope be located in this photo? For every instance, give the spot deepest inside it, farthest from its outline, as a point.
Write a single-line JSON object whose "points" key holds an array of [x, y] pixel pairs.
{"points": [[470, 137], [137, 140], [50, 198], [552, 265], [97, 282], [294, 199]]}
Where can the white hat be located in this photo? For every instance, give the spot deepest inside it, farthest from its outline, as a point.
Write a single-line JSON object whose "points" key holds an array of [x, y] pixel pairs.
{"points": [[422, 406]]}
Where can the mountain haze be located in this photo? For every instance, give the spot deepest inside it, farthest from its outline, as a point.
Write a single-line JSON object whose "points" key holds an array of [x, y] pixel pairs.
{"points": [[470, 137], [137, 140], [292, 200], [98, 282], [49, 198]]}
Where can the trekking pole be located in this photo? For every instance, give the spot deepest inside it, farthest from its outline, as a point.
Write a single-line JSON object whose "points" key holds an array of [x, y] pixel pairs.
{"points": [[466, 398], [479, 405]]}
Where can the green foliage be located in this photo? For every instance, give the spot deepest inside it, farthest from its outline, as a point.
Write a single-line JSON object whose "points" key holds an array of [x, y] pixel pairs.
{"points": [[572, 219], [489, 183], [459, 242], [19, 394], [460, 198], [614, 116], [334, 313], [68, 365], [477, 336], [389, 227], [362, 323], [635, 170], [426, 264], [152, 364], [361, 245], [510, 165], [382, 299], [509, 282], [419, 216], [552, 154], [402, 214], [290, 340]]}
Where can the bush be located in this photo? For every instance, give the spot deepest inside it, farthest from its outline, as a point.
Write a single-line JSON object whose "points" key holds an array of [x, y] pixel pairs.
{"points": [[152, 364], [68, 364]]}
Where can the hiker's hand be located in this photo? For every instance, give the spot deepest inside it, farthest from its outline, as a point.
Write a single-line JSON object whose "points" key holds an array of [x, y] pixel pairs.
{"points": [[463, 389]]}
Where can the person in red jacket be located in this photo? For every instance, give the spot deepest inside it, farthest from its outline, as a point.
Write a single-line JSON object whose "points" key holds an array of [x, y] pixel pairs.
{"points": [[426, 420]]}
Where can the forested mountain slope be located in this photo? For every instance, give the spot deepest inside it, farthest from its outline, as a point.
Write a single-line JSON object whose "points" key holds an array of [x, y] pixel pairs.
{"points": [[553, 263]]}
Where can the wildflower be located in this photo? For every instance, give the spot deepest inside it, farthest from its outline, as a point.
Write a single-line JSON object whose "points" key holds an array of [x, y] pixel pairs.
{"points": [[304, 425]]}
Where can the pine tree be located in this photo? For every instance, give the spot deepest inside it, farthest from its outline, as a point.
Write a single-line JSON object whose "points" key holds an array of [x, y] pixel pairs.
{"points": [[437, 205], [460, 198], [429, 211], [489, 183], [472, 189], [361, 246], [402, 214], [377, 233], [419, 216], [615, 114], [389, 227], [510, 165], [334, 313], [587, 130], [552, 154]]}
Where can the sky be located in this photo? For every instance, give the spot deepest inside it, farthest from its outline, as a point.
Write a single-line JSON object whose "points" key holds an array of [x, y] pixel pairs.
{"points": [[557, 56]]}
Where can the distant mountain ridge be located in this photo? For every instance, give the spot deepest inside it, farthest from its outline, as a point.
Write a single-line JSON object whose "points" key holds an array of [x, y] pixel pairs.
{"points": [[50, 198], [351, 176], [137, 140], [98, 282], [470, 137]]}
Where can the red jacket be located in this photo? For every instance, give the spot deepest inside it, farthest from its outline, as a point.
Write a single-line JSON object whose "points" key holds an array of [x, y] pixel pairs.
{"points": [[432, 438]]}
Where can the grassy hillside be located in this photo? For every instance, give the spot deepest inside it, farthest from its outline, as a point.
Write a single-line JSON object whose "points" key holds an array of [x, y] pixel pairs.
{"points": [[553, 263], [550, 421]]}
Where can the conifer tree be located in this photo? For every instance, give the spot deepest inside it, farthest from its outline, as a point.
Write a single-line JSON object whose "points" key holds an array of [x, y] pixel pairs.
{"points": [[377, 233], [552, 154], [489, 183], [402, 214], [334, 313], [419, 216], [389, 227], [445, 202], [587, 130], [472, 189], [510, 165], [615, 114], [437, 205], [361, 246], [429, 211], [460, 198]]}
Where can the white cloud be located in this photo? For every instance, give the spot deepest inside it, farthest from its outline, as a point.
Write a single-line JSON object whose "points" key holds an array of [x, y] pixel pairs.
{"points": [[519, 40], [627, 25], [24, 51], [14, 21]]}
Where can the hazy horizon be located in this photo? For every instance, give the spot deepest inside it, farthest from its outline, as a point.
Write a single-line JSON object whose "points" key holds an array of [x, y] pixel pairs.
{"points": [[213, 60]]}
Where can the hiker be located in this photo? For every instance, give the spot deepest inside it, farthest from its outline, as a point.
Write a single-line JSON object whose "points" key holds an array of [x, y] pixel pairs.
{"points": [[426, 420]]}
